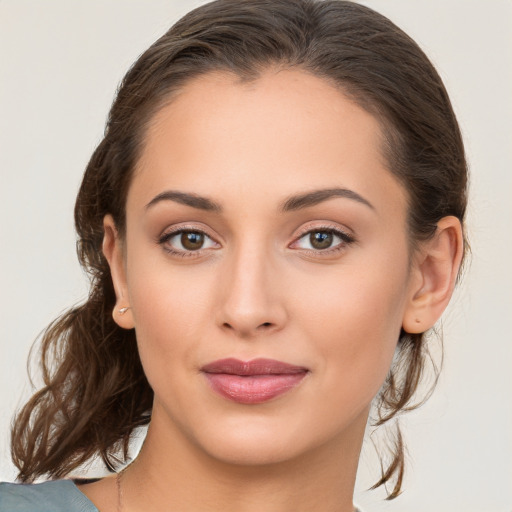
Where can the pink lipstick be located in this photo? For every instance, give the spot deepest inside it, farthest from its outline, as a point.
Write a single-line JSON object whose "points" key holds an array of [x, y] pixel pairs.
{"points": [[252, 382]]}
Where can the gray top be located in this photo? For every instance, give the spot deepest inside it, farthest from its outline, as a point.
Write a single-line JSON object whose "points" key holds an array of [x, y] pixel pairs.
{"points": [[54, 496]]}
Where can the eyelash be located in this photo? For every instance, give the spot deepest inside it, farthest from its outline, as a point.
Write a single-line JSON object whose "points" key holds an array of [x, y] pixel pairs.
{"points": [[345, 238]]}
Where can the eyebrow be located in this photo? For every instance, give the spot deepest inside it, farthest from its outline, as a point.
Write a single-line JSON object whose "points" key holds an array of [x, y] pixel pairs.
{"points": [[308, 199], [186, 198], [293, 203]]}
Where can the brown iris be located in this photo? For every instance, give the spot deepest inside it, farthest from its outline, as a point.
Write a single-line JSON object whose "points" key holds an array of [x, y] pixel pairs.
{"points": [[320, 239], [192, 240]]}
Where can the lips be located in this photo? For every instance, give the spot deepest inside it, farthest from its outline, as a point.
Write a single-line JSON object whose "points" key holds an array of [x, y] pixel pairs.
{"points": [[252, 382]]}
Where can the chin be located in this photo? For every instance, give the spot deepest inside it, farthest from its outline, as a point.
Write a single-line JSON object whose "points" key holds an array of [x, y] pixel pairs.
{"points": [[260, 442], [260, 451]]}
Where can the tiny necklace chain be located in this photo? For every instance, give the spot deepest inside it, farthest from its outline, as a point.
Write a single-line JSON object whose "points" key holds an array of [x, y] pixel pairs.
{"points": [[119, 477]]}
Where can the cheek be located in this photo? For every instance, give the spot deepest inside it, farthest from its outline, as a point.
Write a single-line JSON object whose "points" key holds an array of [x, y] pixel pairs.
{"points": [[171, 309], [355, 322]]}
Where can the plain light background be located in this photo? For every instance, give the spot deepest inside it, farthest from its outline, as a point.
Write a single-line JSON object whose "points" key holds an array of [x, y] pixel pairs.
{"points": [[60, 63]]}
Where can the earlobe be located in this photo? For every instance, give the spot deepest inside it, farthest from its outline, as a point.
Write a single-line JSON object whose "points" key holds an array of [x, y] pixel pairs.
{"points": [[113, 252], [434, 275]]}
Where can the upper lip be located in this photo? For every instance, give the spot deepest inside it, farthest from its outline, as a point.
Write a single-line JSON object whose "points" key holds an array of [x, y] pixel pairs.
{"points": [[254, 367]]}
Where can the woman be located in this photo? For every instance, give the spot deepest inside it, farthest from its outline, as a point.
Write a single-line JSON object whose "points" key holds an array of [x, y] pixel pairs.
{"points": [[272, 222]]}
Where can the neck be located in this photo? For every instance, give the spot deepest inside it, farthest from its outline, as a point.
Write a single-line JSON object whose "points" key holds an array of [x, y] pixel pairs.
{"points": [[171, 470]]}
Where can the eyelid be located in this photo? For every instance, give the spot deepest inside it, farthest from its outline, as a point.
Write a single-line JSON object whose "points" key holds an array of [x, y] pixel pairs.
{"points": [[325, 226]]}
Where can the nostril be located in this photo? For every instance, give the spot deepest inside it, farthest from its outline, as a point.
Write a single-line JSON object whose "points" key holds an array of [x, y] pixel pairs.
{"points": [[263, 326]]}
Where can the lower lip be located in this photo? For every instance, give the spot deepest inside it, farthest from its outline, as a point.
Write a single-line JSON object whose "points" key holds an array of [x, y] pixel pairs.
{"points": [[253, 389]]}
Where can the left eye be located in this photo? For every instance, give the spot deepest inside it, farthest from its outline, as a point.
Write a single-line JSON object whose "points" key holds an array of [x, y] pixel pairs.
{"points": [[188, 240], [321, 239]]}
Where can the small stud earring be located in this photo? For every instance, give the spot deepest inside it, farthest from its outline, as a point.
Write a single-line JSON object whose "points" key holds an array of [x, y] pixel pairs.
{"points": [[122, 311]]}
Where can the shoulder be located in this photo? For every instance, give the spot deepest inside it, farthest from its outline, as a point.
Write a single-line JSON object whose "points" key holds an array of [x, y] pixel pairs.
{"points": [[54, 496]]}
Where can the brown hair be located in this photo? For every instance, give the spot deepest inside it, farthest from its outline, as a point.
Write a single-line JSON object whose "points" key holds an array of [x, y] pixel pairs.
{"points": [[95, 392]]}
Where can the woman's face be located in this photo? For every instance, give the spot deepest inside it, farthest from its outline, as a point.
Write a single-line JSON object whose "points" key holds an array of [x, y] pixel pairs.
{"points": [[262, 223]]}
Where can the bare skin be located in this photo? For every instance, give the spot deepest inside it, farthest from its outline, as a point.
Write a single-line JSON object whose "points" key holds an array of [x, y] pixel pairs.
{"points": [[257, 286]]}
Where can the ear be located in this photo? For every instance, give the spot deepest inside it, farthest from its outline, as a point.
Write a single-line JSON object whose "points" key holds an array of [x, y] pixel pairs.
{"points": [[434, 272], [113, 251]]}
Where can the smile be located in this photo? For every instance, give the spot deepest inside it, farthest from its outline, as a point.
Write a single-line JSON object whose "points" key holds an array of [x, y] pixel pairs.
{"points": [[252, 382]]}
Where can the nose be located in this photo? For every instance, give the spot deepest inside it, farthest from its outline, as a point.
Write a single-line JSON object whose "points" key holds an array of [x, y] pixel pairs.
{"points": [[251, 301]]}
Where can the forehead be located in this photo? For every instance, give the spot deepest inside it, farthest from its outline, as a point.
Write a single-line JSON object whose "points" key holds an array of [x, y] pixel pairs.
{"points": [[287, 128], [278, 102]]}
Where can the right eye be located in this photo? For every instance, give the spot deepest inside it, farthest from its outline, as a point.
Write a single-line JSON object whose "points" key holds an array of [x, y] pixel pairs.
{"points": [[183, 242]]}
